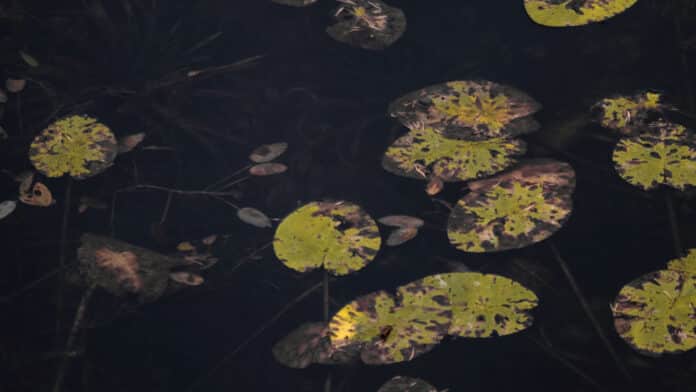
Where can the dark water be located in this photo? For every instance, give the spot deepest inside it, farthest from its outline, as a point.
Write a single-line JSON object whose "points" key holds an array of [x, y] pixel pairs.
{"points": [[328, 101]]}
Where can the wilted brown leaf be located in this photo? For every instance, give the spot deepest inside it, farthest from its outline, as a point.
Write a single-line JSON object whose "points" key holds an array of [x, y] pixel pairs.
{"points": [[268, 152], [123, 265]]}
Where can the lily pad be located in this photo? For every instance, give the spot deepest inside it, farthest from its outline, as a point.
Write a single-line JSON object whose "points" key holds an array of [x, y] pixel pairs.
{"points": [[627, 114], [76, 145], [425, 154], [655, 313], [514, 209], [664, 155], [309, 344], [564, 13], [338, 236], [406, 384], [470, 110], [367, 24]]}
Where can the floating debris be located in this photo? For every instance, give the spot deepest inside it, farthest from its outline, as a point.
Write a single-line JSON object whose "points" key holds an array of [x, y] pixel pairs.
{"points": [[267, 169], [254, 217], [187, 278]]}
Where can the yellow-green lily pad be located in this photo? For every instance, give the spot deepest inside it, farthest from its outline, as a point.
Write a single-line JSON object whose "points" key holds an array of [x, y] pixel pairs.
{"points": [[338, 236], [470, 110], [424, 153], [627, 114], [664, 155], [514, 209], [656, 313], [79, 146], [564, 13], [367, 24]]}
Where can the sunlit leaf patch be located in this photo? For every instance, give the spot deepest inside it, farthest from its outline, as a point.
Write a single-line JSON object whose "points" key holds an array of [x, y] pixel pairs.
{"points": [[338, 236], [627, 114], [367, 24], [470, 110], [564, 13], [665, 154], [76, 145], [514, 209], [406, 384]]}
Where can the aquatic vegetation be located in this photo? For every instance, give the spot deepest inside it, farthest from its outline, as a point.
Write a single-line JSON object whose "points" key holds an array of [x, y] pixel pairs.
{"points": [[368, 24], [268, 152], [338, 236], [308, 344], [36, 194], [628, 114], [655, 313], [566, 13], [406, 384], [295, 3]]}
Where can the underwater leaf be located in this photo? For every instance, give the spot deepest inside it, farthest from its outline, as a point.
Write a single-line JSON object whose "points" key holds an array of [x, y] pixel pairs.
{"points": [[470, 110], [368, 24], [627, 114], [267, 169], [15, 85], [129, 142], [399, 236], [664, 155], [307, 344], [7, 207], [187, 278], [295, 3], [339, 236], [39, 196], [268, 152], [3, 99], [76, 145], [425, 154], [514, 209], [484, 305], [29, 59], [123, 266], [87, 202], [564, 13], [253, 217], [406, 384], [401, 221]]}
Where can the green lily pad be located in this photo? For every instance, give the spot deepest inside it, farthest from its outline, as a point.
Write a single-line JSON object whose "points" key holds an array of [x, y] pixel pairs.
{"points": [[484, 305], [514, 209], [470, 110], [564, 13], [406, 384], [367, 24], [665, 155], [338, 236], [424, 153], [76, 145], [627, 114], [656, 313], [309, 344]]}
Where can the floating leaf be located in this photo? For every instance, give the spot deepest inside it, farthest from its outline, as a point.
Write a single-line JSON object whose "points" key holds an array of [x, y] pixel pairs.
{"points": [[406, 384], [665, 155], [268, 152], [253, 217], [185, 247], [15, 85], [267, 169], [401, 221], [29, 59], [128, 143], [368, 24], [295, 3], [309, 344], [39, 196], [123, 266], [514, 209], [25, 180], [424, 154], [627, 114], [338, 236], [655, 313], [564, 13], [7, 207], [470, 110], [187, 278], [399, 236], [75, 145]]}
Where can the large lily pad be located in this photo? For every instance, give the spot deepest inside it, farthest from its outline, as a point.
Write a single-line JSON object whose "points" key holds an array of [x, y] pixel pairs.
{"points": [[484, 305], [470, 110], [656, 313], [367, 24], [338, 236], [563, 13], [406, 384], [76, 145], [665, 155], [424, 154], [514, 209], [627, 114]]}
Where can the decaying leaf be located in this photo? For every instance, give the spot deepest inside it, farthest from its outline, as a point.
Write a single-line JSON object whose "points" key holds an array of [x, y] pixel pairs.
{"points": [[75, 145], [401, 221], [267, 169], [39, 196], [129, 142], [253, 217], [268, 152], [514, 209], [367, 24], [123, 266], [15, 85], [338, 236], [25, 180], [627, 114], [401, 235], [309, 344], [565, 13], [7, 207], [187, 278], [469, 110], [663, 155], [198, 252], [406, 384]]}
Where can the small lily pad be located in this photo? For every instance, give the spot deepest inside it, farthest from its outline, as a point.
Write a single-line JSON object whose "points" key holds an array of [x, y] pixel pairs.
{"points": [[406, 384], [626, 114], [367, 24], [565, 13]]}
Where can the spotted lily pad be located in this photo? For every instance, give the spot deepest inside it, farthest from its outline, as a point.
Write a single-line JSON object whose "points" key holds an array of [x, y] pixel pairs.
{"points": [[514, 209], [338, 236], [627, 114], [563, 13], [406, 384], [665, 155], [656, 313], [424, 154], [484, 305], [470, 110], [309, 344], [76, 145], [368, 24]]}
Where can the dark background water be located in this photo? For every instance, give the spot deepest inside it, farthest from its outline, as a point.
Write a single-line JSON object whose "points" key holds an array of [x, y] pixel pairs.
{"points": [[328, 101]]}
